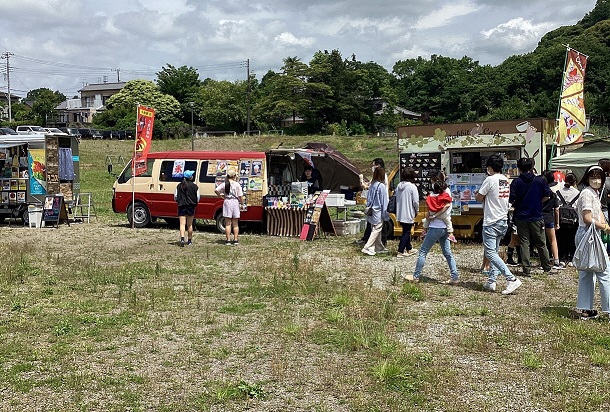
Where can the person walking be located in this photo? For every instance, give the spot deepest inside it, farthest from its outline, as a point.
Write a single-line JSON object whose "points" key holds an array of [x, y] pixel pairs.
{"points": [[566, 232], [590, 213], [605, 192], [377, 201], [233, 197], [187, 197], [494, 193], [527, 192], [437, 232], [407, 207]]}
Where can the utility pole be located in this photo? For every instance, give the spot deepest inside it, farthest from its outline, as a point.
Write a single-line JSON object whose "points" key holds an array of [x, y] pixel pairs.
{"points": [[118, 75], [248, 80], [192, 104], [7, 55]]}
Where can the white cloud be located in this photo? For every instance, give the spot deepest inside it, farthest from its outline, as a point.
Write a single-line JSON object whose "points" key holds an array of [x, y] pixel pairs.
{"points": [[518, 33], [292, 40], [442, 17]]}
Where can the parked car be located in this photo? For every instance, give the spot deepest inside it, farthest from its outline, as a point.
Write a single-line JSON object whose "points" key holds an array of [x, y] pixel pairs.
{"points": [[30, 130], [85, 133], [110, 134], [55, 130], [72, 131], [7, 130], [96, 134]]}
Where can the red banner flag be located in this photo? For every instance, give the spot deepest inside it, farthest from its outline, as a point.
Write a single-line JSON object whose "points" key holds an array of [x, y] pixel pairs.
{"points": [[144, 130]]}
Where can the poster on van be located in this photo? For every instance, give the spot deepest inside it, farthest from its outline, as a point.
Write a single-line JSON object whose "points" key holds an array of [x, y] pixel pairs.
{"points": [[221, 168], [243, 182], [257, 168], [178, 169], [37, 172], [244, 168]]}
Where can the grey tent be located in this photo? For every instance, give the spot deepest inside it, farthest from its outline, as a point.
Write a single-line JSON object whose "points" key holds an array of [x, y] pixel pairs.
{"points": [[578, 160]]}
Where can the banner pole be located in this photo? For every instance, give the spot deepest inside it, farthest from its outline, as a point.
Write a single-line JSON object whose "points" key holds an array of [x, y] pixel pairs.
{"points": [[557, 119], [133, 173]]}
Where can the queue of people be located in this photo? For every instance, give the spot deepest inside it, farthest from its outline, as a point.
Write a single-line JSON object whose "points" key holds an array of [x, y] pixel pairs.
{"points": [[550, 217]]}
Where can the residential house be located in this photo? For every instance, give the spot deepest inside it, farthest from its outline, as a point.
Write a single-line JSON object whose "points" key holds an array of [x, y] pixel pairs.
{"points": [[4, 104], [92, 100]]}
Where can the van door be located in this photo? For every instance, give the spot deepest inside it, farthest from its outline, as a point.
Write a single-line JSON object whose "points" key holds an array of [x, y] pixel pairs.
{"points": [[165, 183]]}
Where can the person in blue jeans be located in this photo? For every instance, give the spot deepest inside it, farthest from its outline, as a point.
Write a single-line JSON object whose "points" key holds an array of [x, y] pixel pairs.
{"points": [[437, 232], [494, 193]]}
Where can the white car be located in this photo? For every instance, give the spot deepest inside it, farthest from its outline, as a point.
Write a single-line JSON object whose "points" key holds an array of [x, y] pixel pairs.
{"points": [[55, 130], [30, 130]]}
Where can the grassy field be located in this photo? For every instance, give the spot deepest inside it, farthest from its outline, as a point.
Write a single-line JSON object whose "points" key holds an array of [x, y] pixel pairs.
{"points": [[100, 317]]}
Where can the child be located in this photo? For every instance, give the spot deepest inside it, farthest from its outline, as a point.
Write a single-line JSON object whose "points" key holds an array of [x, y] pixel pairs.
{"points": [[439, 205]]}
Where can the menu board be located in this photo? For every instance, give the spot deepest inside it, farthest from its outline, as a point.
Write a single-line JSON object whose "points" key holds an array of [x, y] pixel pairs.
{"points": [[54, 209], [425, 166], [464, 188]]}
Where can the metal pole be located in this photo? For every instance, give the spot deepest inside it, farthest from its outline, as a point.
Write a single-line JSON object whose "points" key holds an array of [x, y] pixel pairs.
{"points": [[248, 80], [192, 129], [6, 56]]}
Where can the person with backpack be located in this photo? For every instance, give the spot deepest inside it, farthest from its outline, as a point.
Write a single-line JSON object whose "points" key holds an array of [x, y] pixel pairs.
{"points": [[568, 219]]}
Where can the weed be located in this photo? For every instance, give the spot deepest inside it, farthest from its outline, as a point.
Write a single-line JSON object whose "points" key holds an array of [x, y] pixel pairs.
{"points": [[531, 361], [413, 292]]}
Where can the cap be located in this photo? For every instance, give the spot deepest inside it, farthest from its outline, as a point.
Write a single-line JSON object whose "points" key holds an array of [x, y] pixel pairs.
{"points": [[188, 174], [231, 172]]}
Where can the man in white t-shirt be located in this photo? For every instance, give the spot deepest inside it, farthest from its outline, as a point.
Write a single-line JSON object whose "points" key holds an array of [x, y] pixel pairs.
{"points": [[494, 194]]}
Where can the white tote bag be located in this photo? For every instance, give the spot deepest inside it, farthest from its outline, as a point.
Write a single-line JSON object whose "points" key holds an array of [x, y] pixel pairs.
{"points": [[590, 254]]}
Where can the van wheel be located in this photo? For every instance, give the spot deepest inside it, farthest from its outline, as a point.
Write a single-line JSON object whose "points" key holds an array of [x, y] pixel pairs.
{"points": [[220, 222], [141, 215]]}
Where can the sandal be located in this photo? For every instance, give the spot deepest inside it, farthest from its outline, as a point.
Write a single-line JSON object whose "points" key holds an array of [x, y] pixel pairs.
{"points": [[589, 314]]}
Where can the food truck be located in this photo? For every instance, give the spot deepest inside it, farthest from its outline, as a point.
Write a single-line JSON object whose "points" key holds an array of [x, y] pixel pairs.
{"points": [[266, 178], [460, 150], [34, 166]]}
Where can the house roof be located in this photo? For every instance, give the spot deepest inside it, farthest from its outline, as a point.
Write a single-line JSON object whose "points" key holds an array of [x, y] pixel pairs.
{"points": [[400, 110], [103, 86], [4, 95]]}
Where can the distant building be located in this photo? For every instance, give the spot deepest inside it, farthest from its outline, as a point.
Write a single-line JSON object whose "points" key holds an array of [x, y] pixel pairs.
{"points": [[291, 121], [4, 104], [92, 100], [380, 105]]}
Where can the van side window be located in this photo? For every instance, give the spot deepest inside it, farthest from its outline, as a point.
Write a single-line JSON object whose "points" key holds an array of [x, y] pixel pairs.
{"points": [[167, 166], [203, 174]]}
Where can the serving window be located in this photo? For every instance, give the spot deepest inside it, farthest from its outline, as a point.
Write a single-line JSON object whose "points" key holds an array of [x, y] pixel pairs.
{"points": [[474, 162]]}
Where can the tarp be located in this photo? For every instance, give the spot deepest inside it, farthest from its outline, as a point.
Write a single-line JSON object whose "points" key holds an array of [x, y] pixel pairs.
{"points": [[578, 160], [335, 168]]}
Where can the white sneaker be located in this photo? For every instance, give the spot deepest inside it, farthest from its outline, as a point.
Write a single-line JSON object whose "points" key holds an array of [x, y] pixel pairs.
{"points": [[368, 252], [490, 286], [384, 250], [511, 286]]}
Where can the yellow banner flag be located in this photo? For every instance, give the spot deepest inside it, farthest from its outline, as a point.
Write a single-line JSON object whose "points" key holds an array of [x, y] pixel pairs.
{"points": [[572, 120]]}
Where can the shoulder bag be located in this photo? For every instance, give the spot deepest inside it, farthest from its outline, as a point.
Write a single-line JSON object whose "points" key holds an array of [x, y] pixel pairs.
{"points": [[590, 254]]}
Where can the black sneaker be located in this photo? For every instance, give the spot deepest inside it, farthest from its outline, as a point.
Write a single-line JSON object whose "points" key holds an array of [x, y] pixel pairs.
{"points": [[511, 263], [228, 243], [589, 314], [182, 243], [189, 243]]}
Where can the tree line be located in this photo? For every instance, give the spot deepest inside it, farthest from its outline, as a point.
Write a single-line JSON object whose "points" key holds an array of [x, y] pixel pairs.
{"points": [[333, 94]]}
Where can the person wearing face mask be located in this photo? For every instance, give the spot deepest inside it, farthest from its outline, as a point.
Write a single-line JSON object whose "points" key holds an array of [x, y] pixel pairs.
{"points": [[590, 213], [376, 163], [494, 193], [605, 192]]}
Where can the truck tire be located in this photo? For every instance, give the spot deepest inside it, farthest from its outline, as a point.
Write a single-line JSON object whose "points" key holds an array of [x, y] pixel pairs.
{"points": [[220, 221], [141, 216]]}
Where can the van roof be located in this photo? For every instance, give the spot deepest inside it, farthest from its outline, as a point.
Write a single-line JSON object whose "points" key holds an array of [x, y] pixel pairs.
{"points": [[206, 155]]}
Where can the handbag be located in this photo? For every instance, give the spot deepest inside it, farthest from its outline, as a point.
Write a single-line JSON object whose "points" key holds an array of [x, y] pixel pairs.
{"points": [[392, 204], [590, 254]]}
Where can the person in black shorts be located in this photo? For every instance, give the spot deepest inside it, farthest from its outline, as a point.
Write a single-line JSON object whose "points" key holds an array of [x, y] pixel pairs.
{"points": [[187, 197]]}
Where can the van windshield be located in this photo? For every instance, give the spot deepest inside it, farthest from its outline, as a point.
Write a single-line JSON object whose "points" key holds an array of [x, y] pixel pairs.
{"points": [[38, 129], [126, 174]]}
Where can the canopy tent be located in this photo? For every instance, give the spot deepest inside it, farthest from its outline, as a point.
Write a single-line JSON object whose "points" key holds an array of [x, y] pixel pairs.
{"points": [[578, 160], [335, 168]]}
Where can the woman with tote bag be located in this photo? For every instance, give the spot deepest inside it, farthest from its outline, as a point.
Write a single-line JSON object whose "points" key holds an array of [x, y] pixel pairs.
{"points": [[590, 213]]}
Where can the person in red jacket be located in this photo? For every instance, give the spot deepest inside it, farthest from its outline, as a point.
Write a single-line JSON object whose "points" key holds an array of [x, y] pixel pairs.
{"points": [[439, 207]]}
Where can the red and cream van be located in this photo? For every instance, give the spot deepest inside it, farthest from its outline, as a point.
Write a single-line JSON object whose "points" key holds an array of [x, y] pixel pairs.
{"points": [[152, 193]]}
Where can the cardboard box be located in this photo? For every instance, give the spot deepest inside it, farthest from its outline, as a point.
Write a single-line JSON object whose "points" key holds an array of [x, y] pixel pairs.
{"points": [[335, 199]]}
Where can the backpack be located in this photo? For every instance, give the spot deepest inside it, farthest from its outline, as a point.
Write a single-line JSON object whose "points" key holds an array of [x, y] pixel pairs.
{"points": [[568, 215]]}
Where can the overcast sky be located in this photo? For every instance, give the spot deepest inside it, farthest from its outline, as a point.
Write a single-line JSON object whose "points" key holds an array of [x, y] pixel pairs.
{"points": [[50, 37]]}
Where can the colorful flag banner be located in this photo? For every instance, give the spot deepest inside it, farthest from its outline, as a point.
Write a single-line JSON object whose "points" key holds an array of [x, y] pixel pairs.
{"points": [[572, 120], [144, 130]]}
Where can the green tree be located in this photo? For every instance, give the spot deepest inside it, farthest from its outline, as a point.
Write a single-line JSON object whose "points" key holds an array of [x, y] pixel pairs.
{"points": [[121, 107], [44, 103], [223, 104], [181, 82]]}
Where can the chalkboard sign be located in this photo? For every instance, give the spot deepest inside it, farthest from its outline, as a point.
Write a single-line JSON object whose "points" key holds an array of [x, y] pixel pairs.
{"points": [[54, 210], [425, 165]]}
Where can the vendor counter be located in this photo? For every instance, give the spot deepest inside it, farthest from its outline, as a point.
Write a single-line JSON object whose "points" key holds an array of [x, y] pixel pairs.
{"points": [[285, 221]]}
